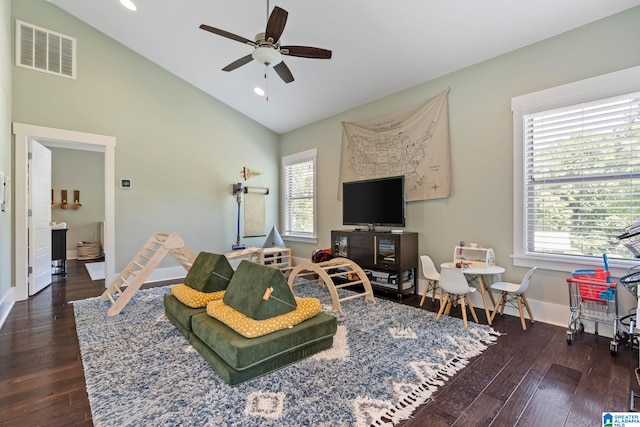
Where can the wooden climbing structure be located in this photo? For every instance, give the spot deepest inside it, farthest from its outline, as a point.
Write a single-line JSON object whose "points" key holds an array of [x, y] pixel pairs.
{"points": [[349, 273], [143, 263], [276, 257]]}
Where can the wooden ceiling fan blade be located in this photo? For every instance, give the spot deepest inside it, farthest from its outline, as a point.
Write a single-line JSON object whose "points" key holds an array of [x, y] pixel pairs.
{"points": [[238, 63], [306, 52], [227, 34], [276, 23], [284, 72]]}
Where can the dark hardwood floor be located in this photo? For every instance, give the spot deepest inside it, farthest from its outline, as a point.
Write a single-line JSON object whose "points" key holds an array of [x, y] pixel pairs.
{"points": [[528, 378]]}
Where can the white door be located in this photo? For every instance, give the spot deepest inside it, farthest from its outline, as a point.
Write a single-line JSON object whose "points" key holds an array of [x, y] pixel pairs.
{"points": [[40, 217]]}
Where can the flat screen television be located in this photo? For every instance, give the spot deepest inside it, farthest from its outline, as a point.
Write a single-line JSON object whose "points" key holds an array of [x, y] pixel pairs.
{"points": [[375, 202]]}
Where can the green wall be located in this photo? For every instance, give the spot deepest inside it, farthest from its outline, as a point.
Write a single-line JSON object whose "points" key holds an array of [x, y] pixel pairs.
{"points": [[480, 208], [6, 234], [83, 171], [181, 148]]}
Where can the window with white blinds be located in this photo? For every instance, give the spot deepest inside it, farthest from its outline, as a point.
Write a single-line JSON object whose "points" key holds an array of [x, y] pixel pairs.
{"points": [[299, 175], [581, 177]]}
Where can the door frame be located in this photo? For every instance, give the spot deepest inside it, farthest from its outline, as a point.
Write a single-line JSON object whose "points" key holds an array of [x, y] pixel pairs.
{"points": [[64, 139]]}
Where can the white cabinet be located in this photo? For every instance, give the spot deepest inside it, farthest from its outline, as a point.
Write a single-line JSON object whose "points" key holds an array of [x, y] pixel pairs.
{"points": [[474, 257]]}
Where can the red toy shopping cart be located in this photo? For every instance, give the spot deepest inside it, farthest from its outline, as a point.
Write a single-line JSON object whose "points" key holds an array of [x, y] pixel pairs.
{"points": [[593, 297]]}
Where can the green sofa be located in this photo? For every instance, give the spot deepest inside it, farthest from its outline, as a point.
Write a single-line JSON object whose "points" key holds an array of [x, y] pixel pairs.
{"points": [[234, 357]]}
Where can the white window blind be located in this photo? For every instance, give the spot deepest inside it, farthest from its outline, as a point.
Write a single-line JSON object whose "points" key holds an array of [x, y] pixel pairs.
{"points": [[582, 177], [299, 174]]}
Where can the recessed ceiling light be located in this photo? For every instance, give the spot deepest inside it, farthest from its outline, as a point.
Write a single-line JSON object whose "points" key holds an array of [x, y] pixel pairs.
{"points": [[259, 90], [129, 5]]}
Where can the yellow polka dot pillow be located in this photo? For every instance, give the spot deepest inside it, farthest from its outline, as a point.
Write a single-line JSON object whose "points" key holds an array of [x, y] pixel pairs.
{"points": [[192, 297], [250, 328]]}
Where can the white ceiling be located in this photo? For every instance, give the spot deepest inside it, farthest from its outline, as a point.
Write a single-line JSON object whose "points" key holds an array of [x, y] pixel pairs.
{"points": [[379, 46]]}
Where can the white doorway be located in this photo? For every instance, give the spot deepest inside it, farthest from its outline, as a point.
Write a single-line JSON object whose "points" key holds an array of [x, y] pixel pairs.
{"points": [[64, 139]]}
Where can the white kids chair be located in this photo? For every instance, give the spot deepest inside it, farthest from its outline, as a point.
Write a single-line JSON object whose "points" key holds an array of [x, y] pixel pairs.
{"points": [[456, 289], [432, 276], [513, 291]]}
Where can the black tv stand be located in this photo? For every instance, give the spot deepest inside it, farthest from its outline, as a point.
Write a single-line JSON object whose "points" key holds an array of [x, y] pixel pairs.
{"points": [[391, 258]]}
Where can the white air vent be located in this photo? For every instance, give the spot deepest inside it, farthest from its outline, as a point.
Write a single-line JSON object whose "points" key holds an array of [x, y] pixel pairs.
{"points": [[45, 50]]}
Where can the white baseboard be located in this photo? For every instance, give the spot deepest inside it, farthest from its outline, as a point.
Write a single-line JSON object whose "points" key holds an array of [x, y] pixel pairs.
{"points": [[170, 273], [160, 274], [297, 260], [545, 312], [177, 272], [6, 304], [166, 273]]}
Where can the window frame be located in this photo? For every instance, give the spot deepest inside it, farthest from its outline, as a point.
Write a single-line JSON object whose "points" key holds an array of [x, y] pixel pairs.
{"points": [[600, 87], [291, 160]]}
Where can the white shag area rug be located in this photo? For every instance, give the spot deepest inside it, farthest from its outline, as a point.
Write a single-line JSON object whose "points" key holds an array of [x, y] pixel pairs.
{"points": [[387, 359]]}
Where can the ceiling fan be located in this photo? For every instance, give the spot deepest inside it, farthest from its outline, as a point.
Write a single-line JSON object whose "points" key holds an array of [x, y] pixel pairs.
{"points": [[267, 50]]}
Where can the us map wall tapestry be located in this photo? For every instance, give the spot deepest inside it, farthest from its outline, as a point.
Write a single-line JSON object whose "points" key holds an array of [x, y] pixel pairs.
{"points": [[413, 142]]}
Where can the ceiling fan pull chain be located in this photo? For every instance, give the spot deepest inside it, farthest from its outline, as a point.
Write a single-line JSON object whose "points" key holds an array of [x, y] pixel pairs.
{"points": [[266, 77]]}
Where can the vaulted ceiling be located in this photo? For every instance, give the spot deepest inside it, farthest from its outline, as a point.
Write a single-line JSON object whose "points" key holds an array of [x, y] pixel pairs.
{"points": [[378, 47]]}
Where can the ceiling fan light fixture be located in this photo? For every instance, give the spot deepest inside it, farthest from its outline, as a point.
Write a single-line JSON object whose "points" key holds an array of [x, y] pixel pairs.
{"points": [[259, 91], [267, 56], [129, 5], [267, 49]]}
